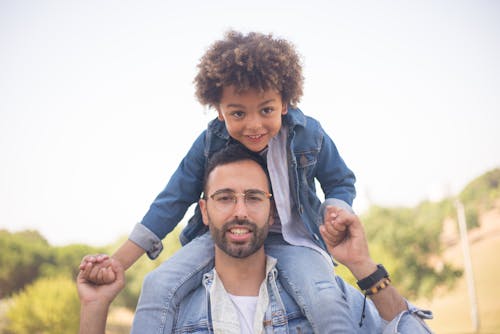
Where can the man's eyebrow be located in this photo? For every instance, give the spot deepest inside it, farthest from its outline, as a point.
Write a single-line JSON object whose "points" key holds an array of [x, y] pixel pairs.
{"points": [[224, 190], [236, 105]]}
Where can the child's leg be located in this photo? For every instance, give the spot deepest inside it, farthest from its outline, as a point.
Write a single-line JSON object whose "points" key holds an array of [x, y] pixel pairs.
{"points": [[166, 286], [310, 280]]}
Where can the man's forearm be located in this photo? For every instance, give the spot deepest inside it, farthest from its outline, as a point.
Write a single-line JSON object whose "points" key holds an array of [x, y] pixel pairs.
{"points": [[388, 301], [93, 318]]}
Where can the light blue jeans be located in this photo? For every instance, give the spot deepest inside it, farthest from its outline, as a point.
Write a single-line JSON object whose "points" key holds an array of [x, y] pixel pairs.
{"points": [[303, 272]]}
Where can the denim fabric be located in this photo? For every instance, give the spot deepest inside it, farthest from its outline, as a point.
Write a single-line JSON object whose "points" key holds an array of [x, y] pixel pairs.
{"points": [[166, 287], [410, 321], [304, 273], [282, 315], [312, 155], [193, 314], [309, 279]]}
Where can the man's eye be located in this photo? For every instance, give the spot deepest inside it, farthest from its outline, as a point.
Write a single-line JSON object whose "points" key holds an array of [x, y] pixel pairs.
{"points": [[253, 198], [225, 198]]}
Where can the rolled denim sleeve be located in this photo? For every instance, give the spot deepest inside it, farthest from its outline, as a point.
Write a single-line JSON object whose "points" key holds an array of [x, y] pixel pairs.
{"points": [[335, 202], [409, 321], [147, 240]]}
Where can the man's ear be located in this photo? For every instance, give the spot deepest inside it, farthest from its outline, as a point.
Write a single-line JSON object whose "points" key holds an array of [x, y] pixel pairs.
{"points": [[203, 208], [272, 213]]}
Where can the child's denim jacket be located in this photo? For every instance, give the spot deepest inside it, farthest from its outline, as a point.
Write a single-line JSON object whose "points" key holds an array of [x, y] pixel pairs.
{"points": [[311, 155]]}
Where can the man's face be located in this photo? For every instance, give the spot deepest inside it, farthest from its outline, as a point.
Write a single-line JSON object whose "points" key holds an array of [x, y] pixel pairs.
{"points": [[251, 117], [238, 229]]}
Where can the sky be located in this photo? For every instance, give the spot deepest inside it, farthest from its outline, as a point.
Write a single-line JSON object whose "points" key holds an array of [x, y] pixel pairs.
{"points": [[97, 103]]}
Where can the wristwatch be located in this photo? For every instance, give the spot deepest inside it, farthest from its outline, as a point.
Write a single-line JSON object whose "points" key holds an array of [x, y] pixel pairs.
{"points": [[369, 281]]}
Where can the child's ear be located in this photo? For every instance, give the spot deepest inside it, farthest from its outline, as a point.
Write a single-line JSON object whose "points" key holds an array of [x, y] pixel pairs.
{"points": [[220, 116], [284, 109]]}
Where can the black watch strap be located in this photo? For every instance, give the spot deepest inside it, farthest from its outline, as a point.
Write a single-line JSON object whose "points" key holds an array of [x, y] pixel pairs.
{"points": [[369, 281]]}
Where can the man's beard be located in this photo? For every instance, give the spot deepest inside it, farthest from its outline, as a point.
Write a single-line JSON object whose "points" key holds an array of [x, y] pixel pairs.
{"points": [[239, 250]]}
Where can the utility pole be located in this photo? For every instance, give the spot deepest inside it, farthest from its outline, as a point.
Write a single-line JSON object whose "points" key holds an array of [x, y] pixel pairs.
{"points": [[469, 275]]}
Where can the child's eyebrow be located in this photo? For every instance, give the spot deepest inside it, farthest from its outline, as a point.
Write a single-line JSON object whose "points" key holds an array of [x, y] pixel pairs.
{"points": [[236, 105]]}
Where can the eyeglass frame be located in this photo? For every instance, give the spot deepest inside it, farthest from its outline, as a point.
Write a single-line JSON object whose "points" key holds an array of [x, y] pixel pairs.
{"points": [[267, 195]]}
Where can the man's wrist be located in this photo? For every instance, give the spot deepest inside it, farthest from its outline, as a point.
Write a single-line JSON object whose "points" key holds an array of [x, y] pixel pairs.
{"points": [[363, 269], [376, 276]]}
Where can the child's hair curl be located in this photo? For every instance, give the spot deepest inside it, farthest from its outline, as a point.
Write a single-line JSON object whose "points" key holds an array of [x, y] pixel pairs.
{"points": [[255, 60]]}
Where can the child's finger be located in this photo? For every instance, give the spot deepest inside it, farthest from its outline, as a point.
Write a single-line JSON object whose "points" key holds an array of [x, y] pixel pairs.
{"points": [[94, 272], [100, 275], [109, 275], [85, 272], [102, 257], [331, 213]]}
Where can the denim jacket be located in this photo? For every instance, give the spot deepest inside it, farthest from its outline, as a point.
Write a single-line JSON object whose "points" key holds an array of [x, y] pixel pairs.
{"points": [[311, 155], [284, 316], [281, 315]]}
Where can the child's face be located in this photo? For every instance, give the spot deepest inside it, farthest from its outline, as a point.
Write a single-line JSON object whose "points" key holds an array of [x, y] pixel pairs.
{"points": [[252, 118]]}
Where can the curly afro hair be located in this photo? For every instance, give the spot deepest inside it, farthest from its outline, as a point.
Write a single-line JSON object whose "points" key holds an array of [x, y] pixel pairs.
{"points": [[256, 61]]}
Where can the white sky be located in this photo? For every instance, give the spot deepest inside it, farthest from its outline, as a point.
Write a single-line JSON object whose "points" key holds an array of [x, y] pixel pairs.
{"points": [[97, 105]]}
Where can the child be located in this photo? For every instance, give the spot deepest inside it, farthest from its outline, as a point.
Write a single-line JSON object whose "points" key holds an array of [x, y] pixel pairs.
{"points": [[254, 82]]}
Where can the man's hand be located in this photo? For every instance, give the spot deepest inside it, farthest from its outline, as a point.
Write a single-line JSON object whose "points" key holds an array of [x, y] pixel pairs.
{"points": [[91, 292], [96, 269], [352, 249], [330, 216]]}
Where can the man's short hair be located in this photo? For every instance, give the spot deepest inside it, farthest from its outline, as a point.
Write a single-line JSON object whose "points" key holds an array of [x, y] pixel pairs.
{"points": [[234, 152]]}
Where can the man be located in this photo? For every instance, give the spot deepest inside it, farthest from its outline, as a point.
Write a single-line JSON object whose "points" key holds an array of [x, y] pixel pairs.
{"points": [[242, 293]]}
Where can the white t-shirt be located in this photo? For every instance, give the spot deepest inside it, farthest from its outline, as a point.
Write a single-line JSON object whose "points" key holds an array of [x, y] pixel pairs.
{"points": [[246, 307]]}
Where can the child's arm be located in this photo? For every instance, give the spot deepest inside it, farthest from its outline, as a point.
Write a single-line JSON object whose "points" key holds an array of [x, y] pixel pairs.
{"points": [[128, 254]]}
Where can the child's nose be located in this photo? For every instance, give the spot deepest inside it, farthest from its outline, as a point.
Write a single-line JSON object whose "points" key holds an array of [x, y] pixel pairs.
{"points": [[254, 122]]}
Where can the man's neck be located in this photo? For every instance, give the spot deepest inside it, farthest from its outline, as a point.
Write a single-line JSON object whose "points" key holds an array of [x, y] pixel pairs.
{"points": [[241, 277]]}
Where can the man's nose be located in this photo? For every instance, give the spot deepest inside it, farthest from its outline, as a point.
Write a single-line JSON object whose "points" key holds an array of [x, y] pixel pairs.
{"points": [[240, 208]]}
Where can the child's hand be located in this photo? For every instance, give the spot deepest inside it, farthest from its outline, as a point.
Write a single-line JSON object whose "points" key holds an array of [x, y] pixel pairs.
{"points": [[96, 269], [338, 232]]}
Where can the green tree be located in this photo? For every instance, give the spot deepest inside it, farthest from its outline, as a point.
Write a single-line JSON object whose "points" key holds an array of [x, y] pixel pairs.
{"points": [[482, 192], [66, 259], [21, 256], [48, 306], [409, 237]]}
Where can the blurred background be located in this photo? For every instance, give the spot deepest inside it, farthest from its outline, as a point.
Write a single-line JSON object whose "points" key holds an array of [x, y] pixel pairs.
{"points": [[97, 109]]}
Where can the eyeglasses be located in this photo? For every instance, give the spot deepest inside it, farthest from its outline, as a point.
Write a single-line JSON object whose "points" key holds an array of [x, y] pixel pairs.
{"points": [[225, 200]]}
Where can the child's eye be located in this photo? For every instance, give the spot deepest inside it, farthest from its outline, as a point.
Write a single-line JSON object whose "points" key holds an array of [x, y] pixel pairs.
{"points": [[267, 111], [237, 114]]}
